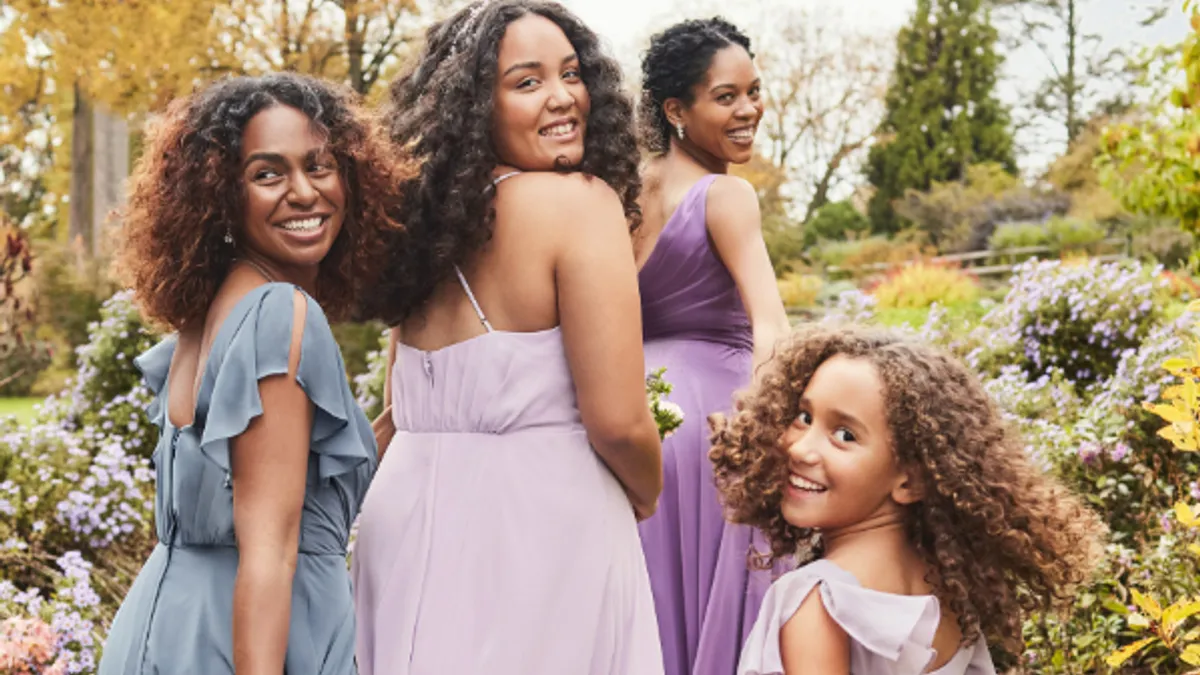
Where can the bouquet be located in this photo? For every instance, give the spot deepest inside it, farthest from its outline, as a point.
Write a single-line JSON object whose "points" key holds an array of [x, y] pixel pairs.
{"points": [[668, 416]]}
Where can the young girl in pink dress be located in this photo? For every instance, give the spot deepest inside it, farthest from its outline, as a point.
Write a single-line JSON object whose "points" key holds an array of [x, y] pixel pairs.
{"points": [[930, 532]]}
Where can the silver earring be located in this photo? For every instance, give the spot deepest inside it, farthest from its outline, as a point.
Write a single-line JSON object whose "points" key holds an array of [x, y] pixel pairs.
{"points": [[228, 236], [679, 130]]}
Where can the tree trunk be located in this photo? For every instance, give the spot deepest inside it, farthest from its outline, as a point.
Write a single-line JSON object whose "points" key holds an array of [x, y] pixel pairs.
{"points": [[82, 145]]}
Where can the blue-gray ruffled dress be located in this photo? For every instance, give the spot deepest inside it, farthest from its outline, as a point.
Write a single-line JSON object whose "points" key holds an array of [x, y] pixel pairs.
{"points": [[177, 617]]}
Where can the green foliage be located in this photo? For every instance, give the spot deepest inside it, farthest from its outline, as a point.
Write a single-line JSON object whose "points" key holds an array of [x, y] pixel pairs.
{"points": [[370, 383], [108, 393], [942, 112], [785, 242], [357, 341], [1071, 235], [1018, 235], [21, 361], [1166, 244], [963, 214], [70, 287], [1153, 162], [836, 221]]}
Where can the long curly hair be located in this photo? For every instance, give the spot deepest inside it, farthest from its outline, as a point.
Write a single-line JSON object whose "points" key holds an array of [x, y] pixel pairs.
{"points": [[441, 112], [676, 61], [186, 192], [1000, 537]]}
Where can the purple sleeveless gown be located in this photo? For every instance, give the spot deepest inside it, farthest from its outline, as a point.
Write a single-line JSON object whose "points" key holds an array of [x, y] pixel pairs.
{"points": [[695, 325]]}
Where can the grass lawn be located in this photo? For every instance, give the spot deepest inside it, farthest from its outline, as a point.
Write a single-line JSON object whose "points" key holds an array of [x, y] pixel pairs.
{"points": [[21, 407]]}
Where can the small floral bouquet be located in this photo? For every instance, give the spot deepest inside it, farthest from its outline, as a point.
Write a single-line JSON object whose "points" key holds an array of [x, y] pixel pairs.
{"points": [[668, 416]]}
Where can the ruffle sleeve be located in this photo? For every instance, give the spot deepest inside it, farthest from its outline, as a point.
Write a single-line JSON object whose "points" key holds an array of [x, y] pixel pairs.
{"points": [[256, 347], [897, 629]]}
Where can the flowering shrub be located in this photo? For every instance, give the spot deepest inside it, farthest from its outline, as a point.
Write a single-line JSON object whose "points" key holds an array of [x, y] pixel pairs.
{"points": [[1169, 634], [108, 394], [58, 634], [923, 284], [1080, 319], [368, 385], [76, 504]]}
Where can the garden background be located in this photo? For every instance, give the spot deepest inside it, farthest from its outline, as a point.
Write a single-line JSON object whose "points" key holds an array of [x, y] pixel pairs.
{"points": [[897, 188]]}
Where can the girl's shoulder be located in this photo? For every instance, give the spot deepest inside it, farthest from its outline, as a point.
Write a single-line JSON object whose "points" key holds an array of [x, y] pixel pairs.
{"points": [[888, 633]]}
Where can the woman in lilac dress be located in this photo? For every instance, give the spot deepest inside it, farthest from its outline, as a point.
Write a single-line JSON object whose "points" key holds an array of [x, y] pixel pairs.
{"points": [[711, 313], [501, 534]]}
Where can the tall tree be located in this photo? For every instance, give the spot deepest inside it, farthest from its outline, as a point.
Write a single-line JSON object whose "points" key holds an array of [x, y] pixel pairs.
{"points": [[1080, 65], [824, 83], [942, 112], [58, 57]]}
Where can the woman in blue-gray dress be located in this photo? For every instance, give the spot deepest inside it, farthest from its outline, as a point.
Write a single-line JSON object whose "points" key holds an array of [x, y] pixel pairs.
{"points": [[247, 225]]}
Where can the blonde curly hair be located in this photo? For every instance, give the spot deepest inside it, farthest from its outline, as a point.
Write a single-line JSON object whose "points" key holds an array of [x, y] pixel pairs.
{"points": [[1001, 538]]}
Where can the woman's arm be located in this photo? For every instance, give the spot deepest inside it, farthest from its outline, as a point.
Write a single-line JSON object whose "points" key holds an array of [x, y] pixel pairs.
{"points": [[735, 225], [270, 470], [600, 313]]}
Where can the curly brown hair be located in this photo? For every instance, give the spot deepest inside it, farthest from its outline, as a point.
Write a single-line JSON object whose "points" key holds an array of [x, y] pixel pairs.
{"points": [[186, 192], [1001, 538], [441, 111]]}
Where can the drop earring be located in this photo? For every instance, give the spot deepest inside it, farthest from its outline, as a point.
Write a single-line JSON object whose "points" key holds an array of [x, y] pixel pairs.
{"points": [[228, 236], [679, 130]]}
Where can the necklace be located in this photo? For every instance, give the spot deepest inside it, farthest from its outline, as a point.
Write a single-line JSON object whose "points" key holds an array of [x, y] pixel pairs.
{"points": [[258, 268]]}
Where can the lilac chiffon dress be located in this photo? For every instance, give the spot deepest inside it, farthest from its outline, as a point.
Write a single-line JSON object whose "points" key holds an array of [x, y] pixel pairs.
{"points": [[889, 634], [695, 325], [494, 539]]}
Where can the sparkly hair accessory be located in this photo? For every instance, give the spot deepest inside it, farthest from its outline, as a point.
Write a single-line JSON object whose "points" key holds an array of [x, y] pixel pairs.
{"points": [[467, 26]]}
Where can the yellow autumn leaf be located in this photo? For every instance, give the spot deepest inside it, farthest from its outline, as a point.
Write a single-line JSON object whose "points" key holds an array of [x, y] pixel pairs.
{"points": [[1184, 514], [1174, 414], [1191, 655], [1127, 652], [1148, 604], [1186, 443], [1136, 620], [1177, 612], [1178, 366]]}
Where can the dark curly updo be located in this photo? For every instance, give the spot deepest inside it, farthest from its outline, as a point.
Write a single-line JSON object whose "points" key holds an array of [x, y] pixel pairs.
{"points": [[677, 60], [441, 113], [187, 192]]}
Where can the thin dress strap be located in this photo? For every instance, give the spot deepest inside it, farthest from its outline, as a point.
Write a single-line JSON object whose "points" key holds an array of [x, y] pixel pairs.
{"points": [[471, 296], [503, 177]]}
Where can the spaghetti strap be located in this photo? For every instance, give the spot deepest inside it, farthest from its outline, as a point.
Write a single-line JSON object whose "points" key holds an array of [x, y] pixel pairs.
{"points": [[471, 296], [503, 177]]}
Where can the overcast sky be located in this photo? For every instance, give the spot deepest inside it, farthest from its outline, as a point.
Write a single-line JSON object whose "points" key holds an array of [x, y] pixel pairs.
{"points": [[626, 25]]}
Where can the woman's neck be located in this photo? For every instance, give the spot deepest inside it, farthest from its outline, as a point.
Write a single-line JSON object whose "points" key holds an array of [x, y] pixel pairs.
{"points": [[304, 277], [684, 151]]}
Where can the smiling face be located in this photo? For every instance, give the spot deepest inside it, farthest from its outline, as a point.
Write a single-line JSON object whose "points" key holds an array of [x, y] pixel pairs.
{"points": [[295, 200], [541, 101], [842, 470], [726, 107]]}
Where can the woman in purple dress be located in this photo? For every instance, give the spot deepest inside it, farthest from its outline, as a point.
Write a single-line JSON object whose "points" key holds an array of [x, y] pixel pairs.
{"points": [[711, 313]]}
